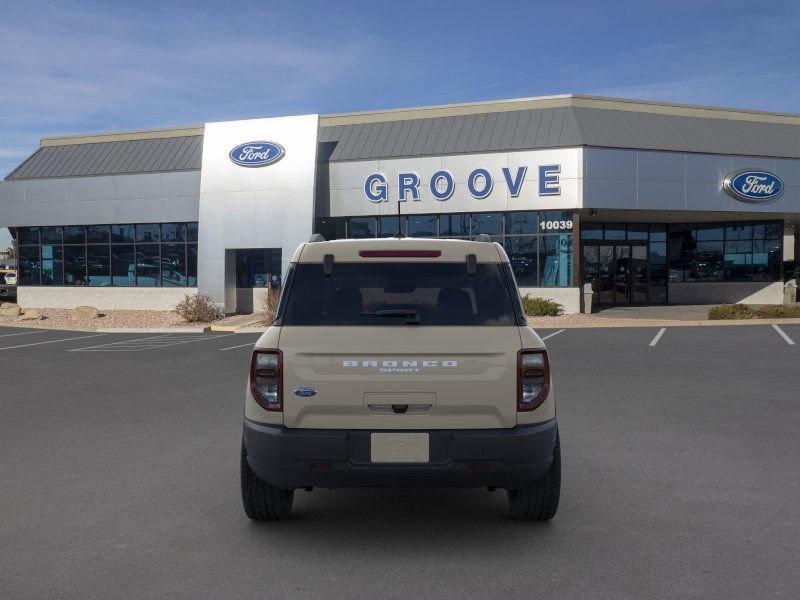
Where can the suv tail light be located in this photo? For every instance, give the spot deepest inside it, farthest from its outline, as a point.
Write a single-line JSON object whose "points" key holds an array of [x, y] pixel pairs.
{"points": [[266, 379], [533, 379]]}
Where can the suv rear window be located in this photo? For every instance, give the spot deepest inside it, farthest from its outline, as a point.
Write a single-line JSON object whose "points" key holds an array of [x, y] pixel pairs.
{"points": [[398, 294]]}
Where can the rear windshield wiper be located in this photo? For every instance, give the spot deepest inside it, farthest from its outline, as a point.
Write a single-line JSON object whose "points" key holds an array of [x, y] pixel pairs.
{"points": [[411, 315]]}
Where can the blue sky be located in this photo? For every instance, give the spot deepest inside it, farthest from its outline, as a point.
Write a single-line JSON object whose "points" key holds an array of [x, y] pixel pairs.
{"points": [[74, 67]]}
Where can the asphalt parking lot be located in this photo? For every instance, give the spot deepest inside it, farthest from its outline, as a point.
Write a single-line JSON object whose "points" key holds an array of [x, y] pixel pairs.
{"points": [[119, 479]]}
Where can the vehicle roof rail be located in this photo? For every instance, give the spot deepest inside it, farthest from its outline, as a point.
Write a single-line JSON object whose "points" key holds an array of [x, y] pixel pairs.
{"points": [[483, 237], [316, 237]]}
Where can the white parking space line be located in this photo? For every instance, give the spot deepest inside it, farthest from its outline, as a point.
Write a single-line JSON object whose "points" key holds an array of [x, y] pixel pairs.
{"points": [[240, 346], [782, 333], [555, 333], [83, 337], [25, 333], [658, 336], [121, 342], [152, 343]]}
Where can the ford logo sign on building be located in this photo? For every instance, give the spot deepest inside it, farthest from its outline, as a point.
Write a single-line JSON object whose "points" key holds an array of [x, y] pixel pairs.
{"points": [[257, 154], [753, 186]]}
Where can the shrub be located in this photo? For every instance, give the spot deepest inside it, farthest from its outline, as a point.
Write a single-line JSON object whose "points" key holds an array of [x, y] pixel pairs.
{"points": [[268, 303], [731, 311], [541, 307], [197, 308]]}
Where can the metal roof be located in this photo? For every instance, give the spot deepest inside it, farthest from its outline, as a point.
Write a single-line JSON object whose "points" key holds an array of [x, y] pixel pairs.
{"points": [[182, 153], [489, 132], [517, 124], [560, 127]]}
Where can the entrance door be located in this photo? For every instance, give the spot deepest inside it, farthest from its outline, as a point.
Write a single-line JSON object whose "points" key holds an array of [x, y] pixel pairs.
{"points": [[617, 271]]}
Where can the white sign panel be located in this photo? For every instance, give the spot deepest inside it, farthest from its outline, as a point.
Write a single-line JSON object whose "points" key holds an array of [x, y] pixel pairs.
{"points": [[528, 180]]}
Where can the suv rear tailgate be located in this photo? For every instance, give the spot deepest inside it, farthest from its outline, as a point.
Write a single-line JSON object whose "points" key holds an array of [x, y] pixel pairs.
{"points": [[401, 378]]}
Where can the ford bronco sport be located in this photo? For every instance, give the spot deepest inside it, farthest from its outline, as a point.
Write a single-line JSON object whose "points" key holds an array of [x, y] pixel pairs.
{"points": [[400, 362]]}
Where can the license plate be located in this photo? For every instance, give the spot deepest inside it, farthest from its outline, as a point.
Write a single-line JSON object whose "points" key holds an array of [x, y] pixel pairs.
{"points": [[400, 448]]}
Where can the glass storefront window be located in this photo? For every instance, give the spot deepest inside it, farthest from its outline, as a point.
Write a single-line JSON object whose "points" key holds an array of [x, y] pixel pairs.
{"points": [[173, 232], [423, 225], [362, 227], [52, 235], [74, 265], [29, 264], [97, 234], [173, 265], [98, 259], [591, 231], [148, 264], [107, 255], [27, 235], [123, 265], [555, 260], [522, 253], [52, 265], [614, 231], [454, 225], [148, 233], [488, 223], [523, 223], [387, 226], [638, 232], [74, 235], [257, 267], [122, 234]]}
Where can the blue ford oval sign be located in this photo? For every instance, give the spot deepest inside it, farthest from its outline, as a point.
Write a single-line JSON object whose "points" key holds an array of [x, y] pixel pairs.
{"points": [[257, 154], [753, 186], [305, 392]]}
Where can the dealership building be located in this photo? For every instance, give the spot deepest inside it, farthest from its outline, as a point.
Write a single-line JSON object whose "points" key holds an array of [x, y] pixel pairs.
{"points": [[650, 203]]}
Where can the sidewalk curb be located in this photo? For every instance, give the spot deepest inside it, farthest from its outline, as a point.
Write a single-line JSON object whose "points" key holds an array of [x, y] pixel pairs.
{"points": [[608, 323], [153, 330]]}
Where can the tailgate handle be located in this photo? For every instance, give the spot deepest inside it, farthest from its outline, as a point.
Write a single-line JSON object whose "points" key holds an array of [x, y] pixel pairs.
{"points": [[399, 409]]}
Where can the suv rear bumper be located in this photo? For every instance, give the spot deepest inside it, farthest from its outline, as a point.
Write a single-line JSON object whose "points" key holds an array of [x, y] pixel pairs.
{"points": [[332, 458]]}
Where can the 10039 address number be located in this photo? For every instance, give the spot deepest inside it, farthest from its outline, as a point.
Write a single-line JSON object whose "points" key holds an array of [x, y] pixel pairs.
{"points": [[556, 225]]}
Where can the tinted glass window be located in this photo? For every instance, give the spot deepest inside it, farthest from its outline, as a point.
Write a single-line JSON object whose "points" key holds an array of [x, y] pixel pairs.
{"points": [[489, 223], [123, 266], [98, 259], [29, 264], [122, 234], [521, 222], [454, 225], [173, 232], [555, 260], [423, 225], [191, 232], [387, 226], [521, 252], [398, 294], [74, 265], [51, 235], [148, 233], [97, 234], [615, 231], [52, 265], [362, 227], [591, 231], [148, 265], [74, 235], [28, 235], [173, 265], [191, 266]]}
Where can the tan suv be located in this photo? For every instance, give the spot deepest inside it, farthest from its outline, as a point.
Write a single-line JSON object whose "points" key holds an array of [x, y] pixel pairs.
{"points": [[400, 362]]}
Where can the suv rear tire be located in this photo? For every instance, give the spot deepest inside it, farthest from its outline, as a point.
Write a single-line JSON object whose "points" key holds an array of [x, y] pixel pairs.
{"points": [[539, 501], [261, 501]]}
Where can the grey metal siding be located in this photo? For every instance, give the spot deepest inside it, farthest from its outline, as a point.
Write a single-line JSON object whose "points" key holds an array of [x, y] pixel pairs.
{"points": [[183, 153]]}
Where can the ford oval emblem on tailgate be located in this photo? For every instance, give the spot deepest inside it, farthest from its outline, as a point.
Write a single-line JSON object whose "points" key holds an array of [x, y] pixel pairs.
{"points": [[305, 392]]}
